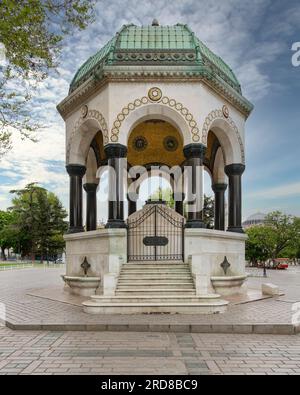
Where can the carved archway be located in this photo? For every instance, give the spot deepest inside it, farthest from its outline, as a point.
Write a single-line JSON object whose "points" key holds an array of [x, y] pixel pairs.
{"points": [[220, 116], [189, 121], [90, 116]]}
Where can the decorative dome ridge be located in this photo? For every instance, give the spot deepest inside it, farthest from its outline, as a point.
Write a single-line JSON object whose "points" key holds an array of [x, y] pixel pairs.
{"points": [[158, 47]]}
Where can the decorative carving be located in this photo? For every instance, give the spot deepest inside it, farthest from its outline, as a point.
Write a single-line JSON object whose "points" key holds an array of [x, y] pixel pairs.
{"points": [[179, 107], [154, 94], [140, 143], [84, 111], [91, 114], [225, 265], [85, 266], [218, 114], [225, 111], [170, 143]]}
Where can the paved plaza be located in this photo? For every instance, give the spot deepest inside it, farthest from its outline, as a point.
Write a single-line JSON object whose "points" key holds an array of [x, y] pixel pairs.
{"points": [[129, 351], [43, 352], [31, 312]]}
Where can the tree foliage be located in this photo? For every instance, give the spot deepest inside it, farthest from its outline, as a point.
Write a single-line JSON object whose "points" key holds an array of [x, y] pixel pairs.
{"points": [[278, 237], [36, 223], [32, 32], [7, 234]]}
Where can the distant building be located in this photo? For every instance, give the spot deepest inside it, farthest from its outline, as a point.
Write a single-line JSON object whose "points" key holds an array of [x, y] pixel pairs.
{"points": [[254, 220]]}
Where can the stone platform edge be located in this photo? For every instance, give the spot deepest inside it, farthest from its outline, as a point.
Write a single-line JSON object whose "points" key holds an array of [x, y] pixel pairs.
{"points": [[267, 329]]}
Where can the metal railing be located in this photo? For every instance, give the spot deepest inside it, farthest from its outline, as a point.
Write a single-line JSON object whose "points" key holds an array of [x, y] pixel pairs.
{"points": [[4, 265]]}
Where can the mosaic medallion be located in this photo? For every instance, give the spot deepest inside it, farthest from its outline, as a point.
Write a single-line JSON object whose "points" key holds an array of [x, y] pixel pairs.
{"points": [[154, 94], [170, 143], [140, 143]]}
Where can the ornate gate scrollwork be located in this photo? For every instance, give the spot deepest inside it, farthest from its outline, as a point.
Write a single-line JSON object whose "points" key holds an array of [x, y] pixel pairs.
{"points": [[155, 234]]}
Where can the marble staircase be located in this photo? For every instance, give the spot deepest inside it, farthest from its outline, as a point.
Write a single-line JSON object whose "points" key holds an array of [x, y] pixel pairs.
{"points": [[155, 287]]}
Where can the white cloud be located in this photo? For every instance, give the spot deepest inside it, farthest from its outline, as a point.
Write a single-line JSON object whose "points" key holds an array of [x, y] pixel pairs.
{"points": [[280, 191]]}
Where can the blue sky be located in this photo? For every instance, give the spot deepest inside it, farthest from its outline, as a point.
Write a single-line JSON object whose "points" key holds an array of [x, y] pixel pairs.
{"points": [[253, 37]]}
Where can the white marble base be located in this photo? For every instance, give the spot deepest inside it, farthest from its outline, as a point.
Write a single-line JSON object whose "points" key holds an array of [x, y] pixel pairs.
{"points": [[83, 286], [228, 285], [270, 289]]}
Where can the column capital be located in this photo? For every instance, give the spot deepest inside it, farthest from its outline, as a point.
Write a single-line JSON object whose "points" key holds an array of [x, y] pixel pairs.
{"points": [[76, 170], [235, 169], [194, 151], [219, 187], [115, 151], [90, 187]]}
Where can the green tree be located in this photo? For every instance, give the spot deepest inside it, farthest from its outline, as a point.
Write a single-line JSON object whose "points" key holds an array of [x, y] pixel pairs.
{"points": [[280, 233], [32, 32], [164, 194], [259, 245], [209, 212], [41, 217], [7, 236]]}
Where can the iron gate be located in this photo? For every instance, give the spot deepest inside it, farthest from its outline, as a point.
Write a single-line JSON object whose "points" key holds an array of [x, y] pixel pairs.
{"points": [[156, 233]]}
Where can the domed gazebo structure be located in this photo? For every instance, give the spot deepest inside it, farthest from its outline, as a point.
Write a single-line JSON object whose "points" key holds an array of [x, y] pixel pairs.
{"points": [[155, 100]]}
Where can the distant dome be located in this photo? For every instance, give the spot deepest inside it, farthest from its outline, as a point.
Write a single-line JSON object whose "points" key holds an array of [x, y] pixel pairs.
{"points": [[160, 47], [255, 219]]}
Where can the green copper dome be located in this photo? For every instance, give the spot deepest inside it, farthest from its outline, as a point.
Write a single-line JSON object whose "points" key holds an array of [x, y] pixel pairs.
{"points": [[162, 49]]}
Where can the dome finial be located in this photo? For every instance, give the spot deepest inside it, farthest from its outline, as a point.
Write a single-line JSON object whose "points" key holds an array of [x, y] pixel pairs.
{"points": [[155, 22]]}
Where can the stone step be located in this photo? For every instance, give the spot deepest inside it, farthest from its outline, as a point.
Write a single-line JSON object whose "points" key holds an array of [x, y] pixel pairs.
{"points": [[153, 281], [155, 265], [154, 298], [155, 270], [217, 306], [155, 276], [166, 284], [161, 292]]}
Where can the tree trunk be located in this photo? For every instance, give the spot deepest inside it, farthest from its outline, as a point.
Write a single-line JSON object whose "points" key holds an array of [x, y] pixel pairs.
{"points": [[3, 253]]}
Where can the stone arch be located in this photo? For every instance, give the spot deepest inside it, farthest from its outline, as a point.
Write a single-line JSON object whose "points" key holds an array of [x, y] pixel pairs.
{"points": [[228, 134], [82, 135], [91, 168], [166, 109], [218, 175]]}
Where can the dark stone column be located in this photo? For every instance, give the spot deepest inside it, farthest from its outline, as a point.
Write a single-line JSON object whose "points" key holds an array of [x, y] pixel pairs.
{"points": [[194, 154], [131, 206], [219, 190], [76, 172], [234, 173], [115, 154], [179, 199], [91, 205]]}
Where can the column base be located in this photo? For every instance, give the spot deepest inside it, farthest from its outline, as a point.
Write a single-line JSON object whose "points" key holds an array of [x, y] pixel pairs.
{"points": [[115, 224], [195, 223], [235, 229], [75, 229]]}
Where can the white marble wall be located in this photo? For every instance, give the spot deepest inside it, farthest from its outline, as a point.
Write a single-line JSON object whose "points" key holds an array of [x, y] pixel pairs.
{"points": [[105, 249], [209, 247]]}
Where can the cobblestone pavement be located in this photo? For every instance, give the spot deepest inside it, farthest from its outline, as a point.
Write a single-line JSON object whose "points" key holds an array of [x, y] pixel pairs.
{"points": [[43, 352], [22, 308]]}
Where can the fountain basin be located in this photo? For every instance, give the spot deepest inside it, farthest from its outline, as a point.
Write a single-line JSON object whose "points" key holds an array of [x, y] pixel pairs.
{"points": [[228, 285], [83, 286]]}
